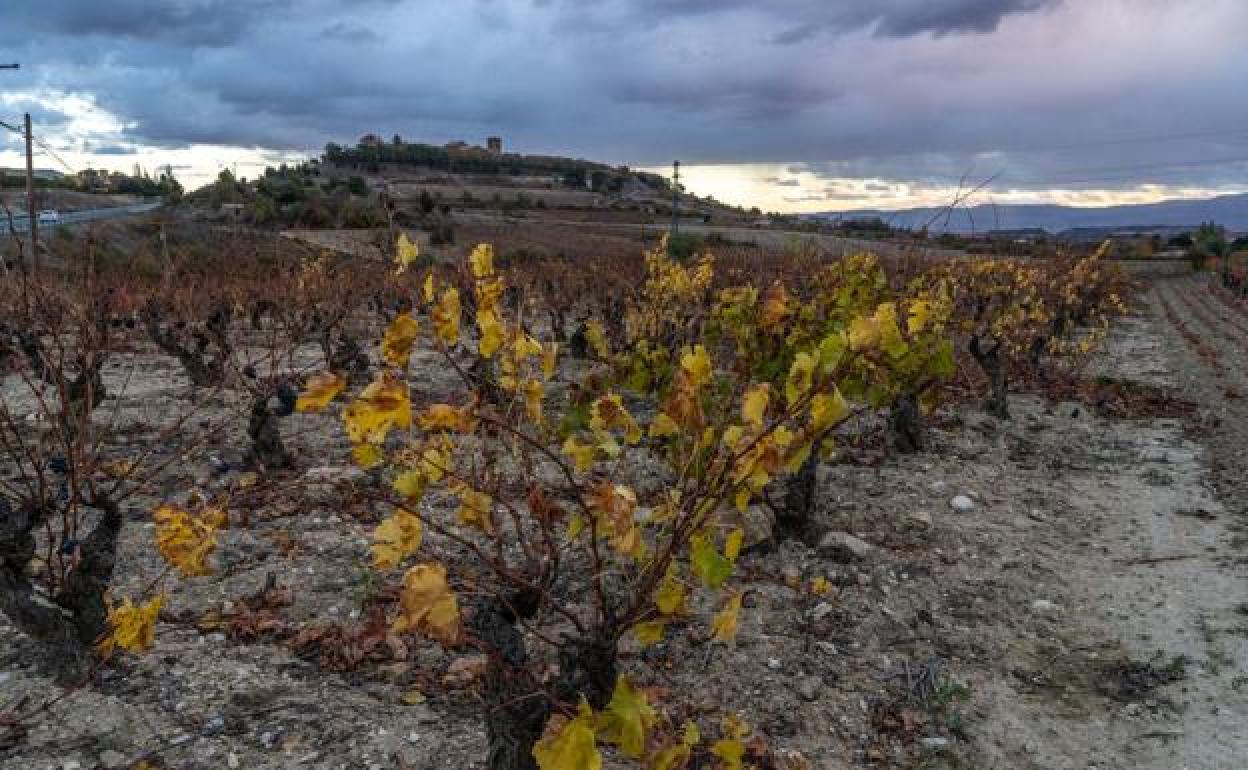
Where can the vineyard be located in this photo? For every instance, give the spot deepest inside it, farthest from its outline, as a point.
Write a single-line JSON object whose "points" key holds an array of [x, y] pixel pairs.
{"points": [[262, 507]]}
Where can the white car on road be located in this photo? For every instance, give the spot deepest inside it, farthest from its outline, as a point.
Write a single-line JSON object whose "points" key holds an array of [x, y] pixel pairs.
{"points": [[49, 217]]}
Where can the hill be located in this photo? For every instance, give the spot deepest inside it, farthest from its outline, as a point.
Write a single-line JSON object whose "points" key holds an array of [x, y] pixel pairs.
{"points": [[1230, 211]]}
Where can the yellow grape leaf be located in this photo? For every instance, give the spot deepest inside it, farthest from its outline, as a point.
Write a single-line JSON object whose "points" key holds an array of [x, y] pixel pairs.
{"points": [[414, 697], [627, 718], [677, 755], [732, 546], [754, 405], [724, 625], [674, 757], [523, 346], [475, 508], [411, 485], [533, 394], [427, 605], [801, 377], [731, 748], [569, 744], [706, 562], [576, 525], [608, 412], [864, 334], [380, 408], [119, 469], [395, 538], [367, 455], [613, 506], [406, 253], [775, 307], [663, 426], [444, 417], [891, 341], [446, 314], [742, 498], [131, 627], [427, 289], [550, 358], [582, 454], [491, 333], [319, 391], [920, 315], [797, 456], [691, 736], [696, 364], [597, 338], [671, 597], [827, 410], [649, 633], [435, 461], [482, 260], [396, 343], [185, 540], [831, 351], [820, 586]]}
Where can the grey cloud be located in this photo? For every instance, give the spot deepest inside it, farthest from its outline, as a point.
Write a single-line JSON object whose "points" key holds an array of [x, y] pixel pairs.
{"points": [[112, 149], [859, 89], [349, 32], [888, 18]]}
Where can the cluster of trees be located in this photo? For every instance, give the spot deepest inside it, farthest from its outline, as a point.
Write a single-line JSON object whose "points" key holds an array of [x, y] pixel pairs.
{"points": [[296, 196], [572, 172]]}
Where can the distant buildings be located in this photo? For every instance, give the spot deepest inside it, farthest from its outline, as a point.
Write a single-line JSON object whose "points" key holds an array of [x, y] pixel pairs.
{"points": [[99, 180], [371, 140], [494, 145]]}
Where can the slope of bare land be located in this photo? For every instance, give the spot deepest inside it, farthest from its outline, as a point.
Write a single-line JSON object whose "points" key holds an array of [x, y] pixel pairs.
{"points": [[1085, 611]]}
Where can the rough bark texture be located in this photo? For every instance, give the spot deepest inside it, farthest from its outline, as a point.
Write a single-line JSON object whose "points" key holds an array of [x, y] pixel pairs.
{"points": [[905, 424], [992, 362], [516, 706], [204, 361], [267, 451], [65, 626], [348, 357], [578, 344], [796, 517]]}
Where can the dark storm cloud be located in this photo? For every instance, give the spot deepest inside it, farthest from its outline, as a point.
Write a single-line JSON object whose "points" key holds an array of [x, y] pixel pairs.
{"points": [[193, 22], [929, 91], [887, 18]]}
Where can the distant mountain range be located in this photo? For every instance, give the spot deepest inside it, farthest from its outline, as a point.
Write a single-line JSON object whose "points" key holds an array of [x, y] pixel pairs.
{"points": [[1230, 211]]}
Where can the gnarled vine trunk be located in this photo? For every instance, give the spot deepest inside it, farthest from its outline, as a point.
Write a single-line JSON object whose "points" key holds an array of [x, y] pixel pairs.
{"points": [[515, 704], [992, 362], [795, 519], [67, 625], [268, 451], [905, 424]]}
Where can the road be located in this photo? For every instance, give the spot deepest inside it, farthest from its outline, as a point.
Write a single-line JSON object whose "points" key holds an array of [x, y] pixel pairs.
{"points": [[79, 217]]}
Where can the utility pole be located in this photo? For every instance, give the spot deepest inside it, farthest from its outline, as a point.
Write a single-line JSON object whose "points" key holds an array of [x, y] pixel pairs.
{"points": [[10, 66], [675, 197], [32, 217]]}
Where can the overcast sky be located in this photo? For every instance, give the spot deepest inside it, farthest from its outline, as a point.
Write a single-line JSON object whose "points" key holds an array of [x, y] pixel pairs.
{"points": [[787, 104]]}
